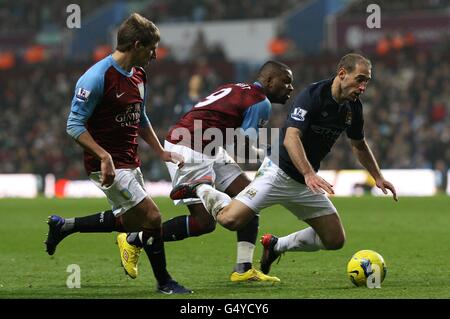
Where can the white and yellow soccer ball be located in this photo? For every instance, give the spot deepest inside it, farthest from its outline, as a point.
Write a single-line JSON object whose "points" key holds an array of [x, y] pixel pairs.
{"points": [[367, 268]]}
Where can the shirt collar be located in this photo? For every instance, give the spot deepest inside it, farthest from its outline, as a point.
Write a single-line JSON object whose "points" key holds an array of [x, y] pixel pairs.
{"points": [[118, 68]]}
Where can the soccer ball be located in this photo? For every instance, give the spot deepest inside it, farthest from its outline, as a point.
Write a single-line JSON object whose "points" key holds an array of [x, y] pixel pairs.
{"points": [[367, 268]]}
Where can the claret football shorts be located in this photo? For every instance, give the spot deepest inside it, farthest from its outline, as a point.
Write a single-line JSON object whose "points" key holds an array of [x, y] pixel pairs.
{"points": [[221, 167], [273, 186]]}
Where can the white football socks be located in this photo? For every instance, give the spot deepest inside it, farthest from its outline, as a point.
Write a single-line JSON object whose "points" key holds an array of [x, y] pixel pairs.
{"points": [[212, 199], [303, 240], [245, 252]]}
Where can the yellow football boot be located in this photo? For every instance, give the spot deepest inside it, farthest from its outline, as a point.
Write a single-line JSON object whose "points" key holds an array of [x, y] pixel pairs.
{"points": [[252, 275], [129, 255]]}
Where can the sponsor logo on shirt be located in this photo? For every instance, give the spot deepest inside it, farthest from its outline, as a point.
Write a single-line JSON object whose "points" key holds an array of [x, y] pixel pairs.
{"points": [[298, 114], [82, 95], [131, 116], [326, 132]]}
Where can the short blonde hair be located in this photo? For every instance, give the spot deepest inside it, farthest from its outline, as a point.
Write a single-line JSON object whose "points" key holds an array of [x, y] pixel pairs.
{"points": [[136, 28]]}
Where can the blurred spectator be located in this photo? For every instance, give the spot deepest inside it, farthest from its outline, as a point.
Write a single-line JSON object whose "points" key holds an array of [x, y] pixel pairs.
{"points": [[7, 60], [390, 6], [283, 47], [199, 47], [34, 16], [101, 51], [34, 54], [206, 10], [383, 45], [399, 41], [194, 94], [441, 169], [202, 50], [163, 52]]}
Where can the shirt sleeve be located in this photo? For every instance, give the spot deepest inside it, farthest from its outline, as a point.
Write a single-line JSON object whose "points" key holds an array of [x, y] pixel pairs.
{"points": [[255, 117], [356, 130], [144, 121], [88, 93], [301, 112]]}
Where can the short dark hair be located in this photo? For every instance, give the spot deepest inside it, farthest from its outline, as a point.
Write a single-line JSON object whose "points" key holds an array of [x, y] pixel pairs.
{"points": [[272, 67], [349, 62], [136, 28]]}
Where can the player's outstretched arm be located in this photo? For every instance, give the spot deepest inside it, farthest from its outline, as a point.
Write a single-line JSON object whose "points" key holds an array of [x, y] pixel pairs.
{"points": [[149, 136], [294, 147], [367, 159]]}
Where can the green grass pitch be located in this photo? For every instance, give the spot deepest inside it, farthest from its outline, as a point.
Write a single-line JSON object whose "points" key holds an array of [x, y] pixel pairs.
{"points": [[412, 235]]}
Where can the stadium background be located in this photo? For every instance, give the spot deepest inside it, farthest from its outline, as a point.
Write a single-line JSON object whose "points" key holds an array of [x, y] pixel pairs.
{"points": [[406, 105]]}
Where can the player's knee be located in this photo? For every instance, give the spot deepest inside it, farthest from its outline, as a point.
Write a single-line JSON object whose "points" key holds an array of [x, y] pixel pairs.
{"points": [[229, 222], [153, 218], [335, 243], [207, 227], [199, 225]]}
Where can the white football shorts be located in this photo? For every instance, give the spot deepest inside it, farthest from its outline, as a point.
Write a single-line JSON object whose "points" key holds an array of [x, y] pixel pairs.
{"points": [[273, 186], [125, 192], [221, 167]]}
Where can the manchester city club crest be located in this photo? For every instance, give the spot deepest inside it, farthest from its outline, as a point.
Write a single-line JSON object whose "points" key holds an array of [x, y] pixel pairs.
{"points": [[348, 118], [251, 192]]}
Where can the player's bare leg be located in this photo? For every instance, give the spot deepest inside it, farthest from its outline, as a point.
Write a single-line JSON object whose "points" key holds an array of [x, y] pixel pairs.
{"points": [[145, 214], [330, 230], [235, 215], [217, 203], [326, 232], [246, 239]]}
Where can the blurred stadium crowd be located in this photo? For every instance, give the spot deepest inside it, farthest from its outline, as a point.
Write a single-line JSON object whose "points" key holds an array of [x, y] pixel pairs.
{"points": [[26, 15], [406, 105]]}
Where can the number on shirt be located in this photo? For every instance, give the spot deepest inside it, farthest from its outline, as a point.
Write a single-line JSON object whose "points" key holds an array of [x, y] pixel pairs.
{"points": [[214, 97]]}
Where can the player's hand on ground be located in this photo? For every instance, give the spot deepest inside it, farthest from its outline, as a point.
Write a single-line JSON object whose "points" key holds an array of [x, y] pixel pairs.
{"points": [[384, 185], [173, 157], [108, 171], [317, 184]]}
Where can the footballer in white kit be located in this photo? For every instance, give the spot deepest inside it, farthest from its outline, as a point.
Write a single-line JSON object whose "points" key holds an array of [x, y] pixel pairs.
{"points": [[318, 116]]}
